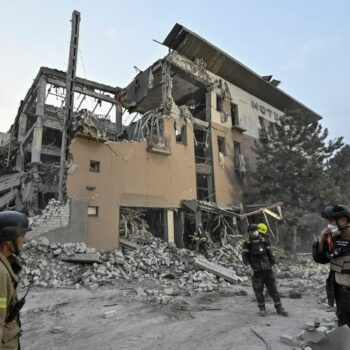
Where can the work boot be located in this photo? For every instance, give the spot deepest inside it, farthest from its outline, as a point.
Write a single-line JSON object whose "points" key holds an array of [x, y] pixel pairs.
{"points": [[262, 311], [282, 311]]}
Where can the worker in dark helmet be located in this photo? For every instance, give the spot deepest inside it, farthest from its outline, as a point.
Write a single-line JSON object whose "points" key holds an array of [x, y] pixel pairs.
{"points": [[13, 228], [333, 247], [259, 261]]}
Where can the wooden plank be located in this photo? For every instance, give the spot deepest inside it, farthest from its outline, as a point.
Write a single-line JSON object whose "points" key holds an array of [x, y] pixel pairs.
{"points": [[271, 213], [217, 270], [258, 211]]}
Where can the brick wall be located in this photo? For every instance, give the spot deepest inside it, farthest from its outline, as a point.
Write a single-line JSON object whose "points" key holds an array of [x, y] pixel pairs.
{"points": [[54, 216]]}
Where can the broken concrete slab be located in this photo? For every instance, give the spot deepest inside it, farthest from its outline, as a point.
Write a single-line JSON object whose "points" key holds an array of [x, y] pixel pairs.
{"points": [[314, 337], [339, 339], [289, 340], [10, 181], [128, 244], [86, 258], [109, 314], [217, 270]]}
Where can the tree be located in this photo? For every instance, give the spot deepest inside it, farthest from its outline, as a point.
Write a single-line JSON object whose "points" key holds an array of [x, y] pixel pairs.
{"points": [[339, 170], [292, 168]]}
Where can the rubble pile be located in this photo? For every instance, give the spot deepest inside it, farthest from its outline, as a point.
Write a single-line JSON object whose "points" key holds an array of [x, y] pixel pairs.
{"points": [[319, 334], [74, 265], [229, 256], [299, 277]]}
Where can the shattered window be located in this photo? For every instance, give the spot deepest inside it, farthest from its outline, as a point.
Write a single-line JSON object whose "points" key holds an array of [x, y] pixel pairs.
{"points": [[93, 211], [94, 165]]}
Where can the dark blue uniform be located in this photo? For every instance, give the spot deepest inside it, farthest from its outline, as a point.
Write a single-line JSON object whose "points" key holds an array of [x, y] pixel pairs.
{"points": [[257, 253]]}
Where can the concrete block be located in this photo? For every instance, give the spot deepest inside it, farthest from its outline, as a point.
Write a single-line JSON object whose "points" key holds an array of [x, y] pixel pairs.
{"points": [[314, 336], [109, 314], [289, 340], [310, 325]]}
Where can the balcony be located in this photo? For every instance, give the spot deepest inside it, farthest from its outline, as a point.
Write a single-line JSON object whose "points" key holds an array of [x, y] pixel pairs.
{"points": [[159, 144]]}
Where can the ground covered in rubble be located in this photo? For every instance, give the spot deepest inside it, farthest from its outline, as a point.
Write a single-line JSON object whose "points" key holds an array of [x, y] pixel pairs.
{"points": [[77, 319], [156, 297]]}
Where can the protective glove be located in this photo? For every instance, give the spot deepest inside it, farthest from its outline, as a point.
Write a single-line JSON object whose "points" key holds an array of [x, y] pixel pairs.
{"points": [[275, 269], [249, 271]]}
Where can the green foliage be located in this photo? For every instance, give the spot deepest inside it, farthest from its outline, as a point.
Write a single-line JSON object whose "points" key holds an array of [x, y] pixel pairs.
{"points": [[292, 167], [339, 170]]}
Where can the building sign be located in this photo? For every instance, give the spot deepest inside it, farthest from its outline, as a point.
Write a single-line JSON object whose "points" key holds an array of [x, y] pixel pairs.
{"points": [[264, 110]]}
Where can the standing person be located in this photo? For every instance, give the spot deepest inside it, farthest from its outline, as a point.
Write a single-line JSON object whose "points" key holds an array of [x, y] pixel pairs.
{"points": [[259, 261], [333, 247], [13, 228]]}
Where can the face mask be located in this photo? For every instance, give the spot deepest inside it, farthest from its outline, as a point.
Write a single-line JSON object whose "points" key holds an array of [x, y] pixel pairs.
{"points": [[333, 228], [255, 233]]}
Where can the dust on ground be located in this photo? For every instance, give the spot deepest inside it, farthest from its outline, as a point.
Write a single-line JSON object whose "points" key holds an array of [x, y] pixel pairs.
{"points": [[74, 319]]}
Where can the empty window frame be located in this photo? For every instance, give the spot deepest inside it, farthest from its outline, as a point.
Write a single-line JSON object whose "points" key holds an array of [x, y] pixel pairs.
{"points": [[236, 152], [219, 103], [94, 166], [181, 137], [92, 211], [234, 115], [222, 145]]}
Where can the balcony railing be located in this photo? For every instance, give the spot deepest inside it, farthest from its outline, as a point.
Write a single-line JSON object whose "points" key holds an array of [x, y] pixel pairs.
{"points": [[159, 144]]}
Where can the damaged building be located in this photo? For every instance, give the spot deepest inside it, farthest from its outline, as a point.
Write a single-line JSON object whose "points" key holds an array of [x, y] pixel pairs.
{"points": [[172, 149]]}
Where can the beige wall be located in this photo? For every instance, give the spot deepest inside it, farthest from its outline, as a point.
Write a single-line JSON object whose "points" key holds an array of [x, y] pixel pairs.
{"points": [[130, 176], [248, 115], [228, 186]]}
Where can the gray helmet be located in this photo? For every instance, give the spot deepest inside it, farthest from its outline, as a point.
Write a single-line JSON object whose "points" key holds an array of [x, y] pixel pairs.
{"points": [[327, 212], [12, 225], [253, 227], [335, 212]]}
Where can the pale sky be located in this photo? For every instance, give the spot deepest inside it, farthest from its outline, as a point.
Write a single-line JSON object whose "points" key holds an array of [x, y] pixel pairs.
{"points": [[305, 44]]}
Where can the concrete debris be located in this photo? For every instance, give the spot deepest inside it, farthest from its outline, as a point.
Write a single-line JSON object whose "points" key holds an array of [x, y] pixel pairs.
{"points": [[289, 340], [73, 265], [320, 334], [218, 270], [109, 314], [82, 258], [337, 339], [172, 271], [133, 225]]}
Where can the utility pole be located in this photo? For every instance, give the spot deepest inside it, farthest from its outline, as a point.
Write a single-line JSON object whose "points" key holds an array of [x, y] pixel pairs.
{"points": [[69, 101]]}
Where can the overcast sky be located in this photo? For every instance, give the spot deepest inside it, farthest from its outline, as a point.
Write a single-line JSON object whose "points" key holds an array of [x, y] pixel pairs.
{"points": [[306, 44]]}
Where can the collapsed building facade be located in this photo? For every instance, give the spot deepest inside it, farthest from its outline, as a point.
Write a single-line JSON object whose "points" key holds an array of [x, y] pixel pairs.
{"points": [[182, 159]]}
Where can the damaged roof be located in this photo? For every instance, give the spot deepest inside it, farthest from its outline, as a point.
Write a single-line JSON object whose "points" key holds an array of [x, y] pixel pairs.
{"points": [[192, 46]]}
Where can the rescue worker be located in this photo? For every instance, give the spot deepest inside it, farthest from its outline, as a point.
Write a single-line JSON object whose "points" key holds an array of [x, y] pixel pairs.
{"points": [[13, 228], [259, 261], [333, 247]]}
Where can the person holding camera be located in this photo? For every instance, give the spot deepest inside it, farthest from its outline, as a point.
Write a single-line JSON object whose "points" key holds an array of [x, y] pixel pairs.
{"points": [[333, 247]]}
